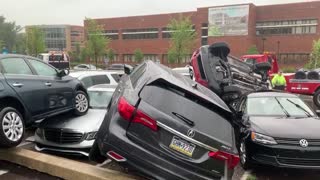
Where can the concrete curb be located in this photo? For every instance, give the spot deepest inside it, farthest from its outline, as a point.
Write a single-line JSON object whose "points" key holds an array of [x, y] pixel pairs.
{"points": [[59, 167]]}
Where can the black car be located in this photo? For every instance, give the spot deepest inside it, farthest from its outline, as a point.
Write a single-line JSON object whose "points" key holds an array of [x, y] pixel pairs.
{"points": [[32, 90], [168, 127], [277, 129]]}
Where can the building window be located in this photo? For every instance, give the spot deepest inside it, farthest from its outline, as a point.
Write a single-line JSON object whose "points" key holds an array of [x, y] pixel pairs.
{"points": [[308, 26], [76, 33], [166, 32], [204, 41], [146, 33], [152, 57]]}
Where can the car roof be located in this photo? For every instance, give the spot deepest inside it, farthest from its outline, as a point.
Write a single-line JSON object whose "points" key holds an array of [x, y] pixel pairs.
{"points": [[16, 55], [102, 87], [77, 74], [270, 94]]}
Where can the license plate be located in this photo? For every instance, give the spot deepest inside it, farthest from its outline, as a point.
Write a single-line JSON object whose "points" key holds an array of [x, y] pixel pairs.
{"points": [[182, 146]]}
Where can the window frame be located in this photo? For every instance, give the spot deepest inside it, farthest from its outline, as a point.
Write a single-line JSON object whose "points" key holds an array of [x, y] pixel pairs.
{"points": [[3, 71], [35, 71]]}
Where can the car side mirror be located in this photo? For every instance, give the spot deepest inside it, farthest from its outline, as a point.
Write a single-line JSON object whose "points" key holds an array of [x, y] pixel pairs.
{"points": [[63, 72], [127, 70]]}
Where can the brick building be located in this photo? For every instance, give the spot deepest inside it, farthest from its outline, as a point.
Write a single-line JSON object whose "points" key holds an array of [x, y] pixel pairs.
{"points": [[62, 37], [286, 29]]}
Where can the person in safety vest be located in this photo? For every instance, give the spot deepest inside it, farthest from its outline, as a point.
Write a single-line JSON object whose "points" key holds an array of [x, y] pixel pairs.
{"points": [[279, 81]]}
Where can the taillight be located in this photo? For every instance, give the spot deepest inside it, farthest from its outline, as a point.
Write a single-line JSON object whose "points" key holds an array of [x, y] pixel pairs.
{"points": [[126, 110], [231, 159]]}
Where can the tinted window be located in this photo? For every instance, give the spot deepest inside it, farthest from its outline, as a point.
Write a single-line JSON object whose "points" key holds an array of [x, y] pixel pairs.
{"points": [[94, 80], [42, 69], [15, 66], [87, 81], [136, 74], [116, 77]]}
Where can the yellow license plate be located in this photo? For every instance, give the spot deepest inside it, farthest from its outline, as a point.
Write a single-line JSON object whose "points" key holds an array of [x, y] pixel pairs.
{"points": [[182, 146]]}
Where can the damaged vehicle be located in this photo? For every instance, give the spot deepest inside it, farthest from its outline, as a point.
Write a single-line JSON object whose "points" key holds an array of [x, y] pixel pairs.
{"points": [[168, 127], [226, 75]]}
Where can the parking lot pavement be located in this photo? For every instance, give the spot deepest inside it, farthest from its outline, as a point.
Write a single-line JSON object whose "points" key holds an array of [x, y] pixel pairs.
{"points": [[12, 171]]}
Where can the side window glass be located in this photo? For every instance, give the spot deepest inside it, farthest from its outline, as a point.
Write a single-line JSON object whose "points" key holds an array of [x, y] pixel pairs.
{"points": [[116, 77], [15, 66], [42, 69], [87, 81], [101, 79], [136, 74]]}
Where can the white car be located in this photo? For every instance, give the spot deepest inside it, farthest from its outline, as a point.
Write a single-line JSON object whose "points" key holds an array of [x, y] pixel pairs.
{"points": [[85, 67], [91, 78]]}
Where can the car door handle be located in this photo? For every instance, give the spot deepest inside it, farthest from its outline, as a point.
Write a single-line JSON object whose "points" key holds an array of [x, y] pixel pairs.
{"points": [[48, 84], [17, 84]]}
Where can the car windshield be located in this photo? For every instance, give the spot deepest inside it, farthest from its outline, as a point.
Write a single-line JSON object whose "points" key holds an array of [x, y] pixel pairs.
{"points": [[99, 99], [278, 106]]}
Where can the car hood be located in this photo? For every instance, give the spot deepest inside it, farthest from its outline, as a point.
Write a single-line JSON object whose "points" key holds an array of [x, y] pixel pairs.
{"points": [[86, 123], [287, 127]]}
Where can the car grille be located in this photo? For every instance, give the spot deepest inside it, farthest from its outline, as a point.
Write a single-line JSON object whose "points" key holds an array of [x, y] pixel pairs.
{"points": [[295, 142], [62, 136], [301, 162]]}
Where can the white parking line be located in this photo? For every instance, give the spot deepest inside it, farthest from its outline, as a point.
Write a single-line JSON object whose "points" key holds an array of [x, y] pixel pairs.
{"points": [[2, 172], [104, 163], [23, 144], [245, 175]]}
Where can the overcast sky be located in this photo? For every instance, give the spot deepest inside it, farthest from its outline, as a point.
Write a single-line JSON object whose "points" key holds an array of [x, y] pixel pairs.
{"points": [[32, 12]]}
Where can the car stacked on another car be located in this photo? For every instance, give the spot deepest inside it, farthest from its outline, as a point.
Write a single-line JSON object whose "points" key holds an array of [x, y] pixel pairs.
{"points": [[277, 129], [32, 90], [68, 134], [148, 129]]}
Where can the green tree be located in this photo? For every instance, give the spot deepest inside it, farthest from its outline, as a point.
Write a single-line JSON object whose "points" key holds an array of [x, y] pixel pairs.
{"points": [[314, 61], [96, 43], [84, 55], [20, 45], [8, 33], [138, 55], [252, 50], [77, 52], [182, 40], [111, 55], [34, 40]]}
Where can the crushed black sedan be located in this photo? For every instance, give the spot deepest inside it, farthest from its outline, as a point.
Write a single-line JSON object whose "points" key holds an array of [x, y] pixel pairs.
{"points": [[277, 129], [168, 127]]}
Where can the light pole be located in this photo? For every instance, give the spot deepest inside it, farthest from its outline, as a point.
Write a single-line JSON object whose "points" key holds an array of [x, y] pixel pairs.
{"points": [[263, 39]]}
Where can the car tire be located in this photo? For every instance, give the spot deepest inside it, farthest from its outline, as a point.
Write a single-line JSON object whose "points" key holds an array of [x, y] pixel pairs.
{"points": [[11, 127], [316, 98], [300, 75], [81, 102], [244, 156], [313, 75]]}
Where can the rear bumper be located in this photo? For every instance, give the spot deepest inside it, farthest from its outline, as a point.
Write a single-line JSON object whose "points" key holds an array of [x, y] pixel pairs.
{"points": [[145, 161], [285, 156]]}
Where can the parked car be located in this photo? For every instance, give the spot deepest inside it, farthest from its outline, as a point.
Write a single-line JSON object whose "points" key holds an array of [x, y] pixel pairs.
{"points": [[31, 90], [85, 67], [73, 135], [168, 127], [277, 129], [185, 71], [91, 78], [119, 67]]}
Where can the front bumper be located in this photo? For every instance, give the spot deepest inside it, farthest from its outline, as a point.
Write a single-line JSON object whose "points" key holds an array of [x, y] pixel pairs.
{"points": [[288, 156]]}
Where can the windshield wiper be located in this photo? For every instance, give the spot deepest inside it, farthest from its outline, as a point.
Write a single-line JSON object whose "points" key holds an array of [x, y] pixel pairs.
{"points": [[283, 109], [298, 106]]}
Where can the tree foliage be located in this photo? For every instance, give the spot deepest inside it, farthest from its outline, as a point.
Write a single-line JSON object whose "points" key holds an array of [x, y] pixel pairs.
{"points": [[182, 39], [138, 55], [84, 55], [111, 54], [252, 50], [96, 43], [8, 33], [35, 40], [314, 61]]}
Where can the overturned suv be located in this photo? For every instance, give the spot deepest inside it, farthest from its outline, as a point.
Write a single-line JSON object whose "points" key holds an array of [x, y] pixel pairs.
{"points": [[168, 127], [226, 75], [32, 90]]}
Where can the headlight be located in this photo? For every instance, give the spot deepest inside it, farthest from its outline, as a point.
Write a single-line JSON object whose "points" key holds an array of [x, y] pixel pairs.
{"points": [[91, 135], [256, 137], [39, 132]]}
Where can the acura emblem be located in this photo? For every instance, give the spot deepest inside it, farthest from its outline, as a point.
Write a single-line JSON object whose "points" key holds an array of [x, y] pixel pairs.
{"points": [[191, 133], [303, 143]]}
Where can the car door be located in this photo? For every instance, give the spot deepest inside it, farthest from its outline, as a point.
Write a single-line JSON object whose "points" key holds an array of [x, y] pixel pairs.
{"points": [[59, 92], [25, 83]]}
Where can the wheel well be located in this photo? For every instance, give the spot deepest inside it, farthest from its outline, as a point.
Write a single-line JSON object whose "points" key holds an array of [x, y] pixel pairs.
{"points": [[81, 88], [318, 88], [13, 102]]}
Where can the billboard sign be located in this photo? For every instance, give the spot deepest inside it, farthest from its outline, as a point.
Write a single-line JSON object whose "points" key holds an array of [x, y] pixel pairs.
{"points": [[228, 21]]}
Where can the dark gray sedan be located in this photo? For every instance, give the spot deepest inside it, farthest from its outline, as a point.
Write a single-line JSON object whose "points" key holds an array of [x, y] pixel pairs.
{"points": [[73, 135]]}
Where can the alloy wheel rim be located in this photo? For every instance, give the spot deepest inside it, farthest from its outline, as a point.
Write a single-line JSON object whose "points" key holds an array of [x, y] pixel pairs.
{"points": [[81, 103], [243, 153], [12, 126]]}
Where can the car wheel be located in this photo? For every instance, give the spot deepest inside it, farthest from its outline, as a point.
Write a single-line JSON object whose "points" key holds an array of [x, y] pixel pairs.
{"points": [[81, 103], [316, 98], [244, 156], [11, 127]]}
